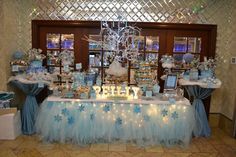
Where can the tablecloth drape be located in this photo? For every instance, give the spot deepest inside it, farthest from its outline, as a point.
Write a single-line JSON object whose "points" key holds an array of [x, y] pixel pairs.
{"points": [[30, 107], [144, 122], [202, 127]]}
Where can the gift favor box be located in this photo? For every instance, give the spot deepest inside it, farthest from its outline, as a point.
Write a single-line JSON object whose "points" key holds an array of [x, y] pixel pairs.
{"points": [[10, 123]]}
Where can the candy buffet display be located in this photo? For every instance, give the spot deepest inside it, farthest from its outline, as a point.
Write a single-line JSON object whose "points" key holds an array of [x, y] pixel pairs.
{"points": [[202, 72], [145, 78], [85, 85], [33, 70], [93, 96], [18, 63], [144, 75]]}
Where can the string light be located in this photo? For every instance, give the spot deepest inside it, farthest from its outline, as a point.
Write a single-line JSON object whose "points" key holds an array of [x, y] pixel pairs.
{"points": [[165, 120], [124, 116]]}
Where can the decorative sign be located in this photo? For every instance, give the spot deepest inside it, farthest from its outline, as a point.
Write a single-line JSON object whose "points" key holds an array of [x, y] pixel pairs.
{"points": [[108, 91], [170, 82]]}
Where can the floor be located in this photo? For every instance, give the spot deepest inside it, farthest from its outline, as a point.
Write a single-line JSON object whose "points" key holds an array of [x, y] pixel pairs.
{"points": [[218, 145]]}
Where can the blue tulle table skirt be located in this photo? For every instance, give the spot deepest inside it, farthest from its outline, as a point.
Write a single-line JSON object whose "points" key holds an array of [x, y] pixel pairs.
{"points": [[92, 122]]}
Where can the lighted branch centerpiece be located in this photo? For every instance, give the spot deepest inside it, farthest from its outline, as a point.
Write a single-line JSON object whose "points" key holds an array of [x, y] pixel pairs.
{"points": [[123, 44]]}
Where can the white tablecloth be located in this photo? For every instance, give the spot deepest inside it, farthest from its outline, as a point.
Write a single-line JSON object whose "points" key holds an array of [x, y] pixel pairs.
{"points": [[201, 83], [154, 100]]}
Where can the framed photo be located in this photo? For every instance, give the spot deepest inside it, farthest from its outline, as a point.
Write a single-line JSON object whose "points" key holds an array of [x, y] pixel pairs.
{"points": [[171, 82]]}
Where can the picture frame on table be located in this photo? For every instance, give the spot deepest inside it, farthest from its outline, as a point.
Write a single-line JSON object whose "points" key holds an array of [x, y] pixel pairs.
{"points": [[171, 82]]}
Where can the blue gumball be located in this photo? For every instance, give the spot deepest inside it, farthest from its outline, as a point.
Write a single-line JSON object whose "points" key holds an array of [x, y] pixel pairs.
{"points": [[18, 55]]}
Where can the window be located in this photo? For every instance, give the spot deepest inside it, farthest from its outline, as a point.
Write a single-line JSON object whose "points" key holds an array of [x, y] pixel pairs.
{"points": [[186, 49], [55, 44]]}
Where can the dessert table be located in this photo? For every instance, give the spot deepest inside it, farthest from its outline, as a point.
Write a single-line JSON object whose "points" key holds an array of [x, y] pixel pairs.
{"points": [[30, 107], [144, 122], [200, 90]]}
